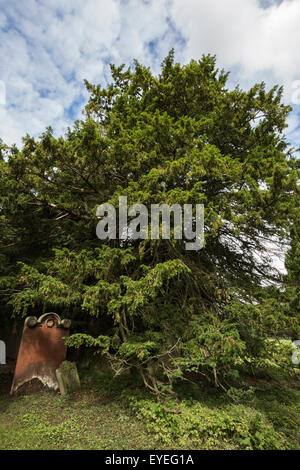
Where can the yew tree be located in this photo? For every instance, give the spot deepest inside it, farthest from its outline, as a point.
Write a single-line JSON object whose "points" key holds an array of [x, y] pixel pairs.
{"points": [[180, 137]]}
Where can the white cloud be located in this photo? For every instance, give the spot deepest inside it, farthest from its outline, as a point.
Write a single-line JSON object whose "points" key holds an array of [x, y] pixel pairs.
{"points": [[48, 47], [258, 43]]}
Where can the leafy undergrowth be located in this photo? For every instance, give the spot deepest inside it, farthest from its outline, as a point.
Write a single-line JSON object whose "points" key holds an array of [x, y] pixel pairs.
{"points": [[118, 413], [250, 419]]}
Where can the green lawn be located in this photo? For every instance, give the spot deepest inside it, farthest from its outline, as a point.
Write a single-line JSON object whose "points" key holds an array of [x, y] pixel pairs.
{"points": [[117, 413], [86, 420]]}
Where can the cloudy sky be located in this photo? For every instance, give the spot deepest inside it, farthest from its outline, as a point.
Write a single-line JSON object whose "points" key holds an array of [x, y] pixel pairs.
{"points": [[47, 48]]}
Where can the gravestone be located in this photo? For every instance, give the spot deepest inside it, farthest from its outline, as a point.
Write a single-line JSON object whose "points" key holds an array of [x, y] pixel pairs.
{"points": [[2, 352], [42, 350], [67, 377]]}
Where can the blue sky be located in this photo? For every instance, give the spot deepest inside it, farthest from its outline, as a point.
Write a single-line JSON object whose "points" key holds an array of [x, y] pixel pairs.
{"points": [[47, 48]]}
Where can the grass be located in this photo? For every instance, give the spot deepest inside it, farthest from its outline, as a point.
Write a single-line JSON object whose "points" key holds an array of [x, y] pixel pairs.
{"points": [[85, 420], [118, 413]]}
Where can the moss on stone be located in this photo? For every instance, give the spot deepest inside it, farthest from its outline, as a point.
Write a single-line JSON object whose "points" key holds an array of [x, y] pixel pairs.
{"points": [[68, 379]]}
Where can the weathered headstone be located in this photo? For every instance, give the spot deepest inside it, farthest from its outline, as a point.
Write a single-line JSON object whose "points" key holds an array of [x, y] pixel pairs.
{"points": [[67, 377], [2, 352], [42, 350]]}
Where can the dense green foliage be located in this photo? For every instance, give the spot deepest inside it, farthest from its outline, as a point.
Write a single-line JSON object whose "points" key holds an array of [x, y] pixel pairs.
{"points": [[180, 137], [293, 266]]}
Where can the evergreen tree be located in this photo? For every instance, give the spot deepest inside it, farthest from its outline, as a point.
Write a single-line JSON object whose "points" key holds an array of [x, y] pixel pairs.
{"points": [[292, 263], [180, 137]]}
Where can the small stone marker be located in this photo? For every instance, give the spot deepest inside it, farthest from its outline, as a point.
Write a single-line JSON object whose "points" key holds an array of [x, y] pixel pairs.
{"points": [[2, 352], [67, 377]]}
